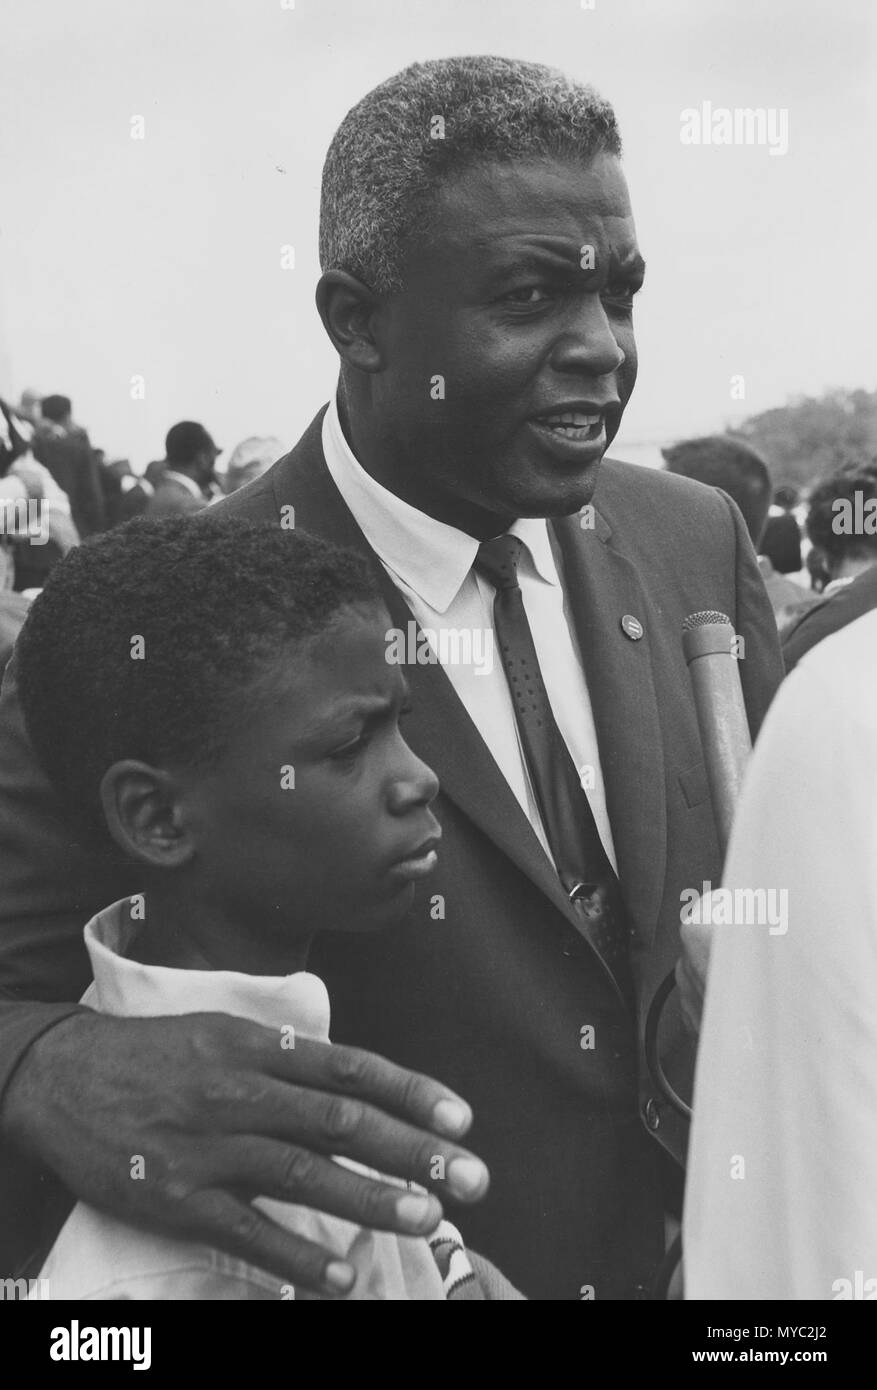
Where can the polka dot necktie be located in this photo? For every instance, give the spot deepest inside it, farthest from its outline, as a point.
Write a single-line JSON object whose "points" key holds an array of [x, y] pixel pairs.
{"points": [[571, 830]]}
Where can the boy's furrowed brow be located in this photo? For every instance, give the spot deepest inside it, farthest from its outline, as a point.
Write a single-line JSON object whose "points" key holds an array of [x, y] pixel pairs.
{"points": [[365, 708]]}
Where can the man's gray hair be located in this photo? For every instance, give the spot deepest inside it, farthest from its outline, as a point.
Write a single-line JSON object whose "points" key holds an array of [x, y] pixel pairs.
{"points": [[397, 146]]}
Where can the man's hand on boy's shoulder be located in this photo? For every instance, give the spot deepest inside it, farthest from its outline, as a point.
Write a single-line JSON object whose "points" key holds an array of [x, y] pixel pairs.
{"points": [[190, 1117]]}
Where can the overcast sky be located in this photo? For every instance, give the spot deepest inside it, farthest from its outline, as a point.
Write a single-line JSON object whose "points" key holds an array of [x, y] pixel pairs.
{"points": [[161, 257]]}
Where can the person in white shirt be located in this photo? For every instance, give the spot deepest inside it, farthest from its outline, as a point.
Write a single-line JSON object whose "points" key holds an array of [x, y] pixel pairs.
{"points": [[781, 1201], [255, 772]]}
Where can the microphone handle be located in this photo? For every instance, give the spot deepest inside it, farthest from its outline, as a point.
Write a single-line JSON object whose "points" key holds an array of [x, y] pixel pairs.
{"points": [[724, 729]]}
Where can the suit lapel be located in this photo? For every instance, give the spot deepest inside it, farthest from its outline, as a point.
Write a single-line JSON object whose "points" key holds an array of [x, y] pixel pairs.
{"points": [[444, 734], [603, 588]]}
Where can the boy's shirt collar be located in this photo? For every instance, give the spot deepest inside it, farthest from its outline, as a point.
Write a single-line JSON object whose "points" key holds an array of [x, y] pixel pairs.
{"points": [[129, 989]]}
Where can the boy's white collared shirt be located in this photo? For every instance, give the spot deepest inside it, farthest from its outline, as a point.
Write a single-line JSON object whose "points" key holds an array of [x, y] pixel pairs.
{"points": [[97, 1256], [431, 563]]}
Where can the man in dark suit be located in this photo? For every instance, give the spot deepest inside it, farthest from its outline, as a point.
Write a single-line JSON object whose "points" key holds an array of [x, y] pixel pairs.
{"points": [[841, 607], [125, 494], [482, 311], [842, 528], [184, 485], [65, 449]]}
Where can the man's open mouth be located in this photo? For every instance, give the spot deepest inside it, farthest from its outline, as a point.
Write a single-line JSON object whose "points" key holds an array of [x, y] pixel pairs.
{"points": [[577, 425]]}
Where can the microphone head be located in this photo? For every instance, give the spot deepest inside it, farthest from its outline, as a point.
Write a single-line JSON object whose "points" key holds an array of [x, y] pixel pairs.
{"points": [[707, 618], [706, 633]]}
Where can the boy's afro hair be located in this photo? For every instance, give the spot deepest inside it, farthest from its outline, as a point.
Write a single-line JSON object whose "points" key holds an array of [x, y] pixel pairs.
{"points": [[144, 639]]}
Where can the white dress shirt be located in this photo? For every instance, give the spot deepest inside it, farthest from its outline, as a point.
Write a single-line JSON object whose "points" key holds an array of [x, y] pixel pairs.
{"points": [[781, 1199], [97, 1256], [431, 563]]}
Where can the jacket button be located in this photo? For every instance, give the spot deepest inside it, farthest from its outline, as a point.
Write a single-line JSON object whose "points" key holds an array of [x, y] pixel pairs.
{"points": [[651, 1113]]}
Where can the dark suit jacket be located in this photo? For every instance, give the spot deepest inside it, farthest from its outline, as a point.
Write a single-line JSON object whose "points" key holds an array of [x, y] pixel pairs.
{"points": [[489, 986], [829, 616], [124, 494], [70, 459]]}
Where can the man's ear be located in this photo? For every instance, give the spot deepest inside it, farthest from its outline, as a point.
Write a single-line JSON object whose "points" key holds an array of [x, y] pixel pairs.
{"points": [[141, 805], [350, 312]]}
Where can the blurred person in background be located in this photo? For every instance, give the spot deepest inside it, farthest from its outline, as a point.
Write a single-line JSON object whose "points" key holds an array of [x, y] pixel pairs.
{"points": [[37, 528], [842, 527], [125, 494], [29, 412], [64, 448], [816, 571], [13, 607], [12, 491], [781, 539], [21, 423], [250, 459], [189, 482], [155, 471], [13, 611], [731, 464]]}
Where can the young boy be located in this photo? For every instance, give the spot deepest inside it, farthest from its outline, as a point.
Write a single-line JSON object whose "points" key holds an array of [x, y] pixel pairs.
{"points": [[215, 697]]}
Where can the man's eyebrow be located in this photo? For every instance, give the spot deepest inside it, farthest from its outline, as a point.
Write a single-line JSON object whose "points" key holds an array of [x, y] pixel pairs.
{"points": [[565, 255], [512, 254]]}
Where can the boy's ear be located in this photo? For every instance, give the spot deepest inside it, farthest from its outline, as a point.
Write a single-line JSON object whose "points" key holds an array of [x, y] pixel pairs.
{"points": [[351, 315], [142, 812]]}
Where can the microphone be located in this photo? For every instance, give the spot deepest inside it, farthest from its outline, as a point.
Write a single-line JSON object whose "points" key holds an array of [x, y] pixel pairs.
{"points": [[707, 640]]}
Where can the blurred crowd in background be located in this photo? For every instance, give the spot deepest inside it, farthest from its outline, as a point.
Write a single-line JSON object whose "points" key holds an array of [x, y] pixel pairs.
{"points": [[56, 489]]}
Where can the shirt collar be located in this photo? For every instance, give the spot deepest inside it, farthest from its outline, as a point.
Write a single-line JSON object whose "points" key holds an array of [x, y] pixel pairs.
{"points": [[188, 483], [127, 988], [429, 557], [835, 586]]}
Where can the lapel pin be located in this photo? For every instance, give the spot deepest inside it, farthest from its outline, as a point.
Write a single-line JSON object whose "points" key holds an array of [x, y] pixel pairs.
{"points": [[631, 627]]}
